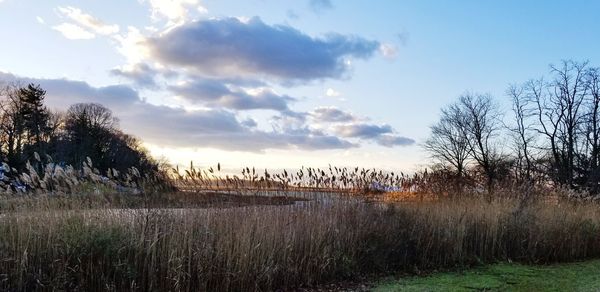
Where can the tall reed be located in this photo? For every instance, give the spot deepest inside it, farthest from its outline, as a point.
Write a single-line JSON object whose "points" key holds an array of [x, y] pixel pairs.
{"points": [[272, 247]]}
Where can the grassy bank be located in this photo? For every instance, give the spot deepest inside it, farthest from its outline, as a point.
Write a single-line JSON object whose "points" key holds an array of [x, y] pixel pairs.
{"points": [[270, 247], [583, 276]]}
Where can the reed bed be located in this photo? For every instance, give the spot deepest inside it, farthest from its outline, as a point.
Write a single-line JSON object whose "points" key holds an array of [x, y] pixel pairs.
{"points": [[80, 230], [261, 248], [347, 180], [49, 178]]}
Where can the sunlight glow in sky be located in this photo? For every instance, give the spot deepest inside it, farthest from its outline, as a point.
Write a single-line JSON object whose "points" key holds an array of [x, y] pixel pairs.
{"points": [[286, 83]]}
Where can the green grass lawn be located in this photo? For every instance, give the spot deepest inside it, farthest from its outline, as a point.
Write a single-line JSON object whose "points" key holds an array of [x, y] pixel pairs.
{"points": [[584, 276]]}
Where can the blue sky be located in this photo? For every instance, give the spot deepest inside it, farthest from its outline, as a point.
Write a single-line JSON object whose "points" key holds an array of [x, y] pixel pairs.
{"points": [[287, 83]]}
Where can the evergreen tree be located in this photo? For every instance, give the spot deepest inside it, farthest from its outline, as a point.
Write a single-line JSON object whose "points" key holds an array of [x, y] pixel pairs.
{"points": [[36, 119]]}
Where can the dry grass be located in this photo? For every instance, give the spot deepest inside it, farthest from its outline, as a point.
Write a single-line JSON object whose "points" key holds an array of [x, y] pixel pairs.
{"points": [[271, 247], [55, 179], [77, 230], [306, 179]]}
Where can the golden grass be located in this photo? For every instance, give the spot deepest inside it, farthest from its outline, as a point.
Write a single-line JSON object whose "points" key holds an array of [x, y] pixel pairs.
{"points": [[78, 230], [291, 246]]}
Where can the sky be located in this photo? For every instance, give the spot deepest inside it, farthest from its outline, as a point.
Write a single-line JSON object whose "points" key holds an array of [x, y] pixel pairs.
{"points": [[284, 84]]}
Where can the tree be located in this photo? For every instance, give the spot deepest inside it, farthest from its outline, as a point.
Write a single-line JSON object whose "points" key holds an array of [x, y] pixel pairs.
{"points": [[482, 125], [12, 124], [559, 111], [127, 151], [465, 131], [85, 130], [35, 119], [523, 133], [448, 143], [591, 130], [89, 129]]}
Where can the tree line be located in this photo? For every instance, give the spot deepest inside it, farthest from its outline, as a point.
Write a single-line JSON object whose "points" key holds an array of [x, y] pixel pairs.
{"points": [[550, 136], [32, 133]]}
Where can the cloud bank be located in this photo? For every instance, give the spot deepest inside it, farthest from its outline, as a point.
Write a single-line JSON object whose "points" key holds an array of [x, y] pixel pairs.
{"points": [[232, 47], [214, 93], [178, 127], [225, 66]]}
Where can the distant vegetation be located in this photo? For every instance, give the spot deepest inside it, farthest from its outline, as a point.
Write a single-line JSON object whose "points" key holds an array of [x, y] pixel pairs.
{"points": [[54, 151], [550, 138]]}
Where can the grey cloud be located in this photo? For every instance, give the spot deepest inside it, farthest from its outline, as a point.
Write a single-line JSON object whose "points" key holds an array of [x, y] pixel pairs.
{"points": [[364, 131], [215, 93], [219, 129], [321, 142], [381, 134], [178, 127], [61, 93], [163, 121], [344, 124], [230, 47], [141, 74], [250, 123], [290, 121], [393, 140], [201, 90], [331, 115]]}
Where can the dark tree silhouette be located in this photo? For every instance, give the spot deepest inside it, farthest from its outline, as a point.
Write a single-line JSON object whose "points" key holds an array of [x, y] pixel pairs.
{"points": [[448, 143], [30, 133], [482, 125], [35, 120]]}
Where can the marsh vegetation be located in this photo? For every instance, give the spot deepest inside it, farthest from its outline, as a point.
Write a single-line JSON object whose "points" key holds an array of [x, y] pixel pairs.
{"points": [[75, 216]]}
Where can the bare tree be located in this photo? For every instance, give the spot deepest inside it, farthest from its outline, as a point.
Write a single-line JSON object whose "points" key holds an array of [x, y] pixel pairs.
{"points": [[482, 126], [466, 130], [448, 143], [523, 132], [591, 130], [559, 111]]}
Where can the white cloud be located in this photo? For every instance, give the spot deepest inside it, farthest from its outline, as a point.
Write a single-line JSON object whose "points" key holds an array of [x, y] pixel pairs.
{"points": [[389, 51], [202, 9], [174, 10], [73, 32], [39, 19], [132, 45], [332, 92], [85, 20]]}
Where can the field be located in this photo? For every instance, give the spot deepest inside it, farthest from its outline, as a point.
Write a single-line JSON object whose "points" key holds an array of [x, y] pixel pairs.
{"points": [[584, 276], [236, 241]]}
